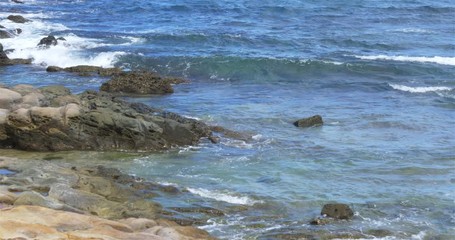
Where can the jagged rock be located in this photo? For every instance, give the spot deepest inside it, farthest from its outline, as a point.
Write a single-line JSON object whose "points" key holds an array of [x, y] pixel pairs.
{"points": [[313, 121], [3, 55], [52, 119], [140, 83], [48, 41], [337, 211], [18, 19]]}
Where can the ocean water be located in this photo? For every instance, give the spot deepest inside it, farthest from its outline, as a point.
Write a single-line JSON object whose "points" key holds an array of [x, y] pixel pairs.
{"points": [[381, 74]]}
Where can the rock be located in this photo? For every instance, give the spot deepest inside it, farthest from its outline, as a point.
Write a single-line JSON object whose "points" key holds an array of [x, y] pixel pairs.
{"points": [[3, 55], [51, 119], [231, 134], [18, 19], [61, 39], [8, 98], [2, 26], [321, 221], [4, 62], [5, 34], [87, 70], [34, 222], [18, 31], [18, 1], [54, 69], [48, 41], [139, 83], [337, 211], [313, 121]]}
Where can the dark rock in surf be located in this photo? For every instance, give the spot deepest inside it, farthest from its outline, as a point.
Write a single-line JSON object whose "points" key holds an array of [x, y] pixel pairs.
{"points": [[54, 69], [313, 121], [1, 26], [140, 83], [18, 1], [48, 41], [337, 211], [3, 55], [18, 19], [5, 34], [87, 70]]}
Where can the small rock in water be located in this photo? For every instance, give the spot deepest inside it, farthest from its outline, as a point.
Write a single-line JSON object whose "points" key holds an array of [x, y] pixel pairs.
{"points": [[313, 121], [5, 34], [337, 211], [17, 19], [48, 41]]}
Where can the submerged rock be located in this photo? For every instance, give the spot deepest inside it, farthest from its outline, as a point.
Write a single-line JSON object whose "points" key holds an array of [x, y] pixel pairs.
{"points": [[51, 119], [313, 121], [140, 83], [18, 19], [5, 34]]}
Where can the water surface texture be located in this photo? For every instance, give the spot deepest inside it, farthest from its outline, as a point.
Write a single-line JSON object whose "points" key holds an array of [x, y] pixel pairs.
{"points": [[381, 74]]}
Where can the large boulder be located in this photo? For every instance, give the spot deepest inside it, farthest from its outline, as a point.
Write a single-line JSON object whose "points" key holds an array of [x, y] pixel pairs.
{"points": [[52, 119], [140, 83], [18, 19]]}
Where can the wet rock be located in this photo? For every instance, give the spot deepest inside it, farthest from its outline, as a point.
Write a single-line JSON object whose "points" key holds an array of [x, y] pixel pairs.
{"points": [[5, 34], [15, 61], [18, 31], [54, 69], [86, 70], [18, 19], [18, 1], [232, 134], [140, 83], [48, 41], [337, 211], [2, 26], [2, 53], [313, 121]]}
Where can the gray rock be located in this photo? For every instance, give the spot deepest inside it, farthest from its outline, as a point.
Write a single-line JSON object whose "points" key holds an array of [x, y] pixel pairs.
{"points": [[48, 41], [8, 98], [337, 211], [5, 34], [18, 19], [313, 121]]}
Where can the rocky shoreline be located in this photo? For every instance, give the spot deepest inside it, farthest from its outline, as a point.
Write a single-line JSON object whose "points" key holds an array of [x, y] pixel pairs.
{"points": [[45, 200]]}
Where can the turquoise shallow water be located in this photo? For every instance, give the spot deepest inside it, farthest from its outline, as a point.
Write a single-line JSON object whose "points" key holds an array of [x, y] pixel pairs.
{"points": [[381, 73]]}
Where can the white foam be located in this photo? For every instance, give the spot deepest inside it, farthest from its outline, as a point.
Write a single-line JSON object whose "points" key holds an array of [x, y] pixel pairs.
{"points": [[67, 53], [435, 59], [223, 196], [419, 89]]}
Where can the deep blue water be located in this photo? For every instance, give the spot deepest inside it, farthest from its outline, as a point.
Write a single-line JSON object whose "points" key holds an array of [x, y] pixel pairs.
{"points": [[381, 73]]}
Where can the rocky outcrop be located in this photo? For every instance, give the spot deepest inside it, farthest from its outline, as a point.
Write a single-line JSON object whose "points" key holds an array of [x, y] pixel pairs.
{"points": [[140, 83], [85, 70], [313, 121], [51, 119], [18, 19], [4, 60], [43, 200]]}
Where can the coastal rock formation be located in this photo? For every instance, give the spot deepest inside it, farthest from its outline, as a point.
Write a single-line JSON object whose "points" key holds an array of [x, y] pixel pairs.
{"points": [[313, 121], [43, 200], [4, 60], [48, 41], [85, 70], [140, 83], [51, 119], [18, 19]]}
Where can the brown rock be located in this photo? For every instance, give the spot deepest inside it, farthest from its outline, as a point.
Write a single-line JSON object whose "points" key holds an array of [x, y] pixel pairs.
{"points": [[313, 121], [18, 19], [337, 211]]}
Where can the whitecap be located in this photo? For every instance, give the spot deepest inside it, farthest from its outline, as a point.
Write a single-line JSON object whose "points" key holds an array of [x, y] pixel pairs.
{"points": [[223, 196], [419, 89], [435, 59]]}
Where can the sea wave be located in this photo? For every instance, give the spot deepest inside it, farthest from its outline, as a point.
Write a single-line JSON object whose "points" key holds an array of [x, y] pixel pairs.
{"points": [[420, 89], [224, 196], [435, 59]]}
